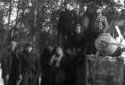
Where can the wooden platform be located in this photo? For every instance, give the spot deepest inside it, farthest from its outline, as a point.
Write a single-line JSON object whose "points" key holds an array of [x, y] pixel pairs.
{"points": [[104, 70]]}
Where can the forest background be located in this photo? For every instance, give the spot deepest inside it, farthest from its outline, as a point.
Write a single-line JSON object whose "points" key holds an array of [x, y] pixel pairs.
{"points": [[35, 21]]}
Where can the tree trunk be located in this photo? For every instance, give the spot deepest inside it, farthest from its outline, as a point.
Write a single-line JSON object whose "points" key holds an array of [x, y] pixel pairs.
{"points": [[36, 28], [10, 9], [17, 13], [36, 41], [5, 41]]}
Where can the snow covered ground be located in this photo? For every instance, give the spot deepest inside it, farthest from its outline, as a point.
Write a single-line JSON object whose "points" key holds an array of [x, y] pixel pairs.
{"points": [[1, 80]]}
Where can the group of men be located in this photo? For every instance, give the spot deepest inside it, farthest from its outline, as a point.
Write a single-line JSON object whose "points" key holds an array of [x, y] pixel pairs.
{"points": [[20, 67], [61, 65], [81, 28], [77, 32]]}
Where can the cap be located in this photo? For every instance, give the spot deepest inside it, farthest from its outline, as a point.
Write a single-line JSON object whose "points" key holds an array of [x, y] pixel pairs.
{"points": [[99, 7]]}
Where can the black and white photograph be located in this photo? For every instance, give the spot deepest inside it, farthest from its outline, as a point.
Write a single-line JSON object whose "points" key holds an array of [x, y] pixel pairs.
{"points": [[62, 42]]}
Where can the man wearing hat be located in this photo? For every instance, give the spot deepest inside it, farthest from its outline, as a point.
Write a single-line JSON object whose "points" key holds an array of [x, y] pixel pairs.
{"points": [[29, 66], [98, 24], [10, 64], [13, 64]]}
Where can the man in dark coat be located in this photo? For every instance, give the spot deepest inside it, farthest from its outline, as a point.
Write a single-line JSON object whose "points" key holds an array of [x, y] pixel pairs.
{"points": [[29, 66], [45, 67], [65, 26], [13, 63], [81, 25], [5, 65], [57, 66]]}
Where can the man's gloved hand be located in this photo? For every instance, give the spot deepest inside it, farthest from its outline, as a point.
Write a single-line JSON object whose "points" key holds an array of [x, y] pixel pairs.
{"points": [[7, 77], [57, 64], [20, 77]]}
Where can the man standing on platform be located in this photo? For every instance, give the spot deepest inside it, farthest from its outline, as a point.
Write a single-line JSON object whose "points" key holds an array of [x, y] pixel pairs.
{"points": [[98, 24], [66, 25]]}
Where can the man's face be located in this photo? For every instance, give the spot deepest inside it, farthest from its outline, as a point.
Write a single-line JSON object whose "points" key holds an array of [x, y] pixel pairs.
{"points": [[29, 49], [78, 29], [59, 50], [77, 11], [50, 48], [85, 8], [98, 11], [14, 45]]}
